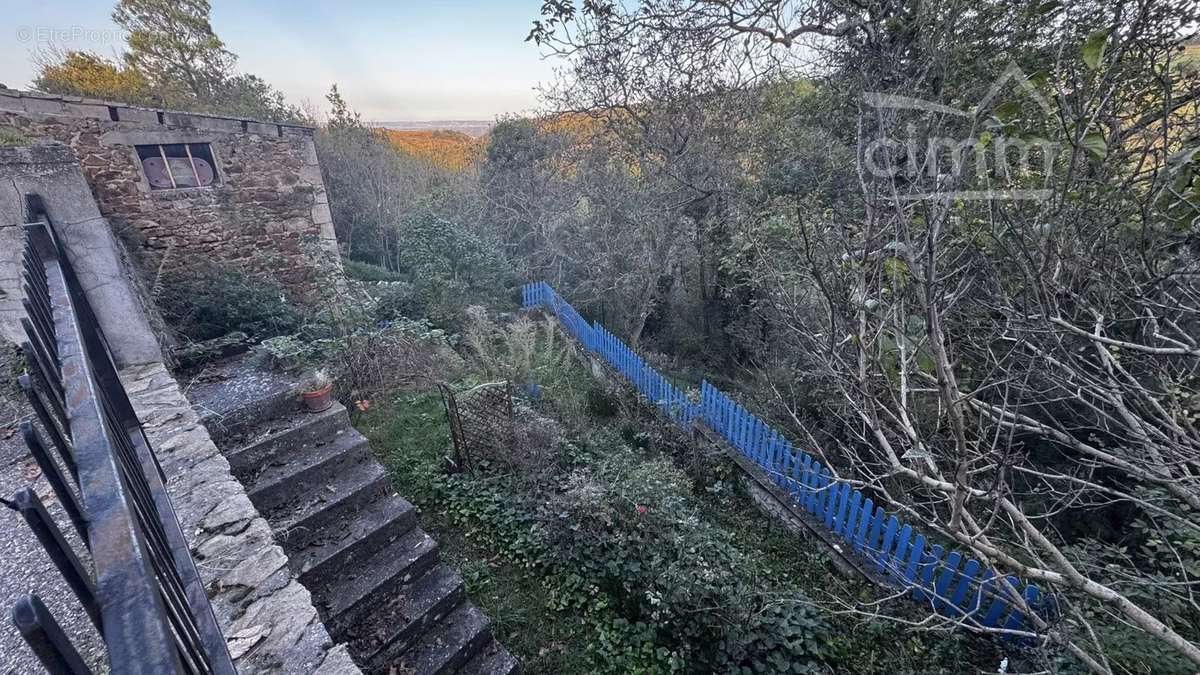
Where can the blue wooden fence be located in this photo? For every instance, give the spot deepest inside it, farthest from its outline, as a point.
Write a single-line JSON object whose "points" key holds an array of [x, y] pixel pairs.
{"points": [[951, 582]]}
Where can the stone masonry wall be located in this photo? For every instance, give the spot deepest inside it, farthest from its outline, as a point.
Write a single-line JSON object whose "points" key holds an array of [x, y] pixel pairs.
{"points": [[266, 216], [267, 617]]}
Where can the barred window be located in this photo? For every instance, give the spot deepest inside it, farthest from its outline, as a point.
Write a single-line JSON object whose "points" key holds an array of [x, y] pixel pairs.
{"points": [[178, 165]]}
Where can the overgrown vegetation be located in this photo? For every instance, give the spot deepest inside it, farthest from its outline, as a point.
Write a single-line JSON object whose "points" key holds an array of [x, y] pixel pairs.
{"points": [[206, 300], [949, 246], [611, 552]]}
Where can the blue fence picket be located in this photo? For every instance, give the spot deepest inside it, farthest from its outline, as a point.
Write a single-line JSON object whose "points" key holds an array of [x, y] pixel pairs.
{"points": [[833, 496], [843, 510], [822, 494], [1016, 619], [891, 546], [765, 433], [872, 545], [941, 588], [979, 594], [889, 537], [929, 565], [816, 504], [1000, 603], [787, 463], [797, 474], [756, 440], [969, 572], [781, 455], [914, 559], [743, 424], [896, 564], [806, 482], [864, 521]]}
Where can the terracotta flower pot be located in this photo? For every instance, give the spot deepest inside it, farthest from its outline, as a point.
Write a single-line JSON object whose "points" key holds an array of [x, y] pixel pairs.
{"points": [[319, 400]]}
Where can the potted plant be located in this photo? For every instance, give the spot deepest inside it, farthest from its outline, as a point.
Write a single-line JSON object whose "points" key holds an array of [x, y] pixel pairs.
{"points": [[318, 395]]}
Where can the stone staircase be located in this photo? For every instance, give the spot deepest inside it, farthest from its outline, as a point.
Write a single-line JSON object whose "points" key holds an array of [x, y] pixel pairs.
{"points": [[374, 574]]}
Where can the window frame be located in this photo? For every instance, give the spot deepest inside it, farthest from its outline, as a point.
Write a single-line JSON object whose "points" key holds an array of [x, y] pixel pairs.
{"points": [[159, 150]]}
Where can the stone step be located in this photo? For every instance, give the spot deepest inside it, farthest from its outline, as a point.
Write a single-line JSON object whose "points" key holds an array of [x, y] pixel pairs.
{"points": [[494, 659], [343, 494], [284, 434], [346, 599], [233, 399], [348, 543], [292, 476], [448, 645], [395, 625]]}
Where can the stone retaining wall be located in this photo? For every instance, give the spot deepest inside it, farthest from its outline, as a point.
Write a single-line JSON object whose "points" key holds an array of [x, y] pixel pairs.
{"points": [[268, 618]]}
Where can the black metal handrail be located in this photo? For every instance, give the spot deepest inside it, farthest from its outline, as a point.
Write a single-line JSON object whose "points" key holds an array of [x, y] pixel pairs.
{"points": [[145, 595]]}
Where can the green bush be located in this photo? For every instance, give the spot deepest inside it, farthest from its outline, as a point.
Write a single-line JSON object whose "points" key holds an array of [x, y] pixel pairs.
{"points": [[680, 588], [784, 637], [398, 299], [451, 267], [365, 271], [207, 301]]}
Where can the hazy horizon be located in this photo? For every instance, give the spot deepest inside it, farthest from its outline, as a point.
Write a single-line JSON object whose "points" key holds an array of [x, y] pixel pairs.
{"points": [[456, 60]]}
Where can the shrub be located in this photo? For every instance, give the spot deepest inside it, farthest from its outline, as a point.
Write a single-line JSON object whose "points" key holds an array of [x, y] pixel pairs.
{"points": [[365, 271], [451, 266], [783, 637], [397, 299], [207, 301], [627, 529]]}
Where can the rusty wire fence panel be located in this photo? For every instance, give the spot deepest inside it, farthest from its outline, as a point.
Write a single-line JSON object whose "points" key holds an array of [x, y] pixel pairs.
{"points": [[481, 422]]}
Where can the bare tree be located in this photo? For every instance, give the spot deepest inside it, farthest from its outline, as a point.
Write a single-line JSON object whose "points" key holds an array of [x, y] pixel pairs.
{"points": [[1003, 347]]}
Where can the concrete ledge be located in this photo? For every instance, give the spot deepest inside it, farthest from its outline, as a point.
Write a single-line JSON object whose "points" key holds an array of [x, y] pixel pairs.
{"points": [[138, 115], [74, 106], [41, 153], [268, 618], [261, 129], [293, 130], [189, 120]]}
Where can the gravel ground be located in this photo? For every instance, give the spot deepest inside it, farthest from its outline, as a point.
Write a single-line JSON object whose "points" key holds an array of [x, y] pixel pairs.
{"points": [[25, 567]]}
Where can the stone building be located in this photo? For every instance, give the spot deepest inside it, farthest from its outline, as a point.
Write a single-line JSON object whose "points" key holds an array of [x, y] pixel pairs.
{"points": [[310, 562], [181, 187]]}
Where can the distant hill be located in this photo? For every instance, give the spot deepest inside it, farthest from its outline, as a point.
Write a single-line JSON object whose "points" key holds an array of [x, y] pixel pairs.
{"points": [[473, 128]]}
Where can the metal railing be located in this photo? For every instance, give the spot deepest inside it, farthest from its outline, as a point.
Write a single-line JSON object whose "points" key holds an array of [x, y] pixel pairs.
{"points": [[141, 589]]}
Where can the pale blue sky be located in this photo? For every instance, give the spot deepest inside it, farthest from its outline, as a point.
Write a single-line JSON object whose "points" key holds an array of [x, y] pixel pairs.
{"points": [[397, 60]]}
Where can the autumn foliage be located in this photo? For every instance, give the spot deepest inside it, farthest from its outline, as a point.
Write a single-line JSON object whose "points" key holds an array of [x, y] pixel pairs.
{"points": [[81, 74], [450, 150]]}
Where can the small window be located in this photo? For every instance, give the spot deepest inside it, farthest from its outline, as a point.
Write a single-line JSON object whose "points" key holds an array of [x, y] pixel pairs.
{"points": [[178, 165]]}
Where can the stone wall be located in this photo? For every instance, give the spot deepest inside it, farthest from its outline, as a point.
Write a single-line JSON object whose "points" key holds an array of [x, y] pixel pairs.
{"points": [[51, 171], [267, 214]]}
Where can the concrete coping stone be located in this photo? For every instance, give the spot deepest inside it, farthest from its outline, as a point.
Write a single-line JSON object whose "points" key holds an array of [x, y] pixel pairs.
{"points": [[37, 102]]}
